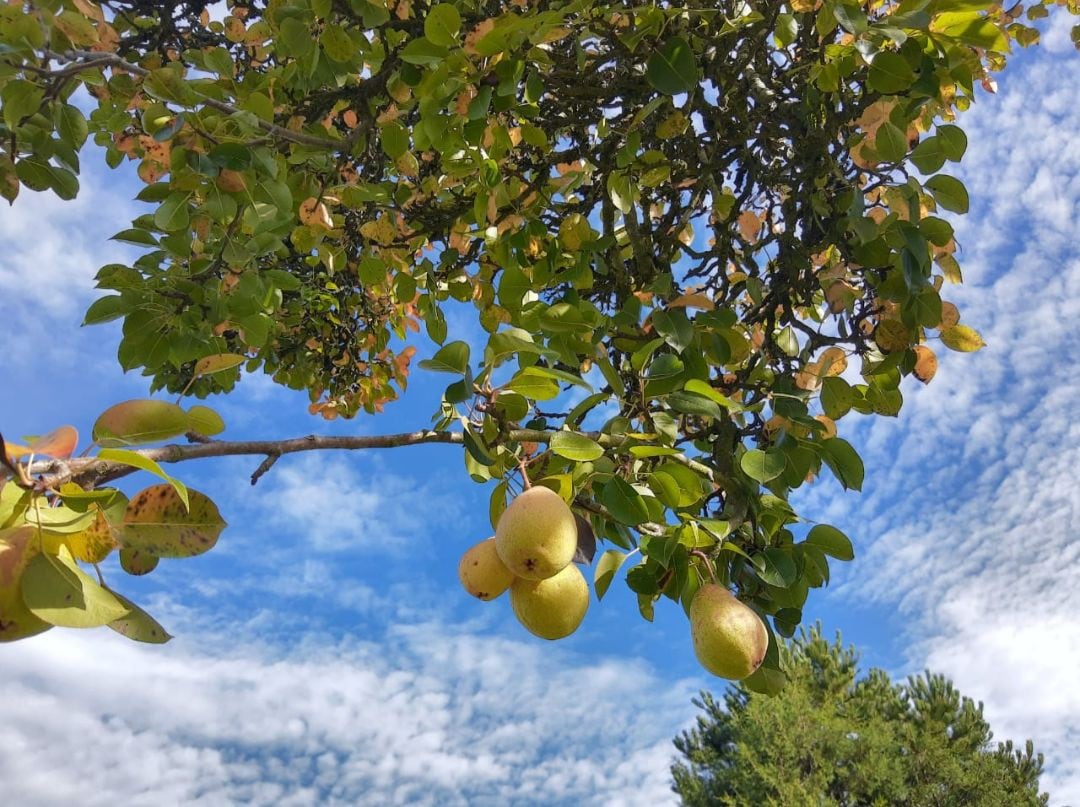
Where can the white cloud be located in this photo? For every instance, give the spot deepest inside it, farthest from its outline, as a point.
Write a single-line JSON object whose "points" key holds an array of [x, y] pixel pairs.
{"points": [[427, 714]]}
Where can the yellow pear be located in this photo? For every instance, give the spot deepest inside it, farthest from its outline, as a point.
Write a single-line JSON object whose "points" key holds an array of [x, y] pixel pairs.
{"points": [[730, 640], [551, 608], [482, 573], [17, 547], [536, 537]]}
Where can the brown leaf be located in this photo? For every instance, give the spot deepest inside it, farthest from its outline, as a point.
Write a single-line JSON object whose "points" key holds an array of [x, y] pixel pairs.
{"points": [[950, 315], [925, 363], [313, 213]]}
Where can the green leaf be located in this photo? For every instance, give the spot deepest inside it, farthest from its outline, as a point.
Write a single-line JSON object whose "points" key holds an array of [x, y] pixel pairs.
{"points": [[136, 460], [450, 358], [423, 51], [672, 68], [953, 141], [575, 446], [535, 386], [217, 363], [138, 563], [831, 541], [763, 466], [57, 591], [890, 73], [623, 502], [558, 375], [675, 327], [844, 462], [205, 421], [138, 625], [442, 24], [971, 28], [173, 214], [929, 155], [949, 192], [699, 387], [610, 562], [20, 99], [837, 397], [161, 523], [139, 421], [890, 143]]}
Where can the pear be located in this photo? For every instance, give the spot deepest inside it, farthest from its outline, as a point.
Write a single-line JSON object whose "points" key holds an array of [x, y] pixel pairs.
{"points": [[730, 640], [536, 537], [551, 608], [482, 573], [17, 548]]}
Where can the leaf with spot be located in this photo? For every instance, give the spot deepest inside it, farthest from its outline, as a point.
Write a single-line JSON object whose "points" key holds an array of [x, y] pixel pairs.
{"points": [[157, 523], [138, 625], [138, 563]]}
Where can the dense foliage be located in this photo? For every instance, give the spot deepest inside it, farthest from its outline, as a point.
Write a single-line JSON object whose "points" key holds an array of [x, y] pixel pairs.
{"points": [[834, 737], [694, 238]]}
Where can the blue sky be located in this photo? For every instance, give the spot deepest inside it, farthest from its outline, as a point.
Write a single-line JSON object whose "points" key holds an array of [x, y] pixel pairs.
{"points": [[325, 653]]}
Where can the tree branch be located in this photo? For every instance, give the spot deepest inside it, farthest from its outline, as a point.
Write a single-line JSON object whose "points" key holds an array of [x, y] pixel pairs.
{"points": [[92, 472], [88, 60]]}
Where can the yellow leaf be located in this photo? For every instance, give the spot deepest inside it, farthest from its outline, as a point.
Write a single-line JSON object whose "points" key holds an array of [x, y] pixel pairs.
{"points": [[950, 315], [697, 300], [891, 335], [313, 213], [962, 338]]}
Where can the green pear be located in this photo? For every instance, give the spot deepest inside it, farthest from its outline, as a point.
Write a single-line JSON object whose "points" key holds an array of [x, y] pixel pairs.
{"points": [[730, 640], [18, 546], [536, 537], [482, 573], [551, 608]]}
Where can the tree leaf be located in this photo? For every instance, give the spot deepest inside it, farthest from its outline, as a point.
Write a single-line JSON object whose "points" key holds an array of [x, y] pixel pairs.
{"points": [[672, 68], [57, 591], [442, 24], [890, 73], [138, 625], [623, 502], [962, 338], [158, 523], [217, 363], [763, 466], [450, 358], [138, 563], [575, 446], [136, 460], [205, 421], [844, 462], [830, 541], [139, 421], [949, 192], [610, 562]]}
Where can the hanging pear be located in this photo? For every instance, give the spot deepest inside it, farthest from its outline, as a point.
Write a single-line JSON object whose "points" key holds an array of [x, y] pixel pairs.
{"points": [[730, 639], [482, 573], [536, 536]]}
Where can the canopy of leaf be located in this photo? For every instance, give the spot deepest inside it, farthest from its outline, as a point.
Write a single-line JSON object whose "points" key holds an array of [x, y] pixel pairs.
{"points": [[716, 206], [836, 738]]}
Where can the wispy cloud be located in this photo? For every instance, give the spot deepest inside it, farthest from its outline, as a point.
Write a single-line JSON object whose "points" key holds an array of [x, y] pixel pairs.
{"points": [[427, 714]]}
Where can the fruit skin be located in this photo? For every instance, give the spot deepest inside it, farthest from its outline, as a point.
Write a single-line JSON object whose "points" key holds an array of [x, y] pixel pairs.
{"points": [[551, 608], [17, 547], [482, 573], [536, 536], [730, 640]]}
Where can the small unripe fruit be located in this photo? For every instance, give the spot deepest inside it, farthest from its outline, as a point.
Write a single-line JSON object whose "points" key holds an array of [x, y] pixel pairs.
{"points": [[537, 535], [551, 608], [730, 640], [482, 573]]}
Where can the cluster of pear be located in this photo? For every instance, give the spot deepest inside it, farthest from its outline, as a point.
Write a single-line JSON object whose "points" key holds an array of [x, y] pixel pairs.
{"points": [[531, 554]]}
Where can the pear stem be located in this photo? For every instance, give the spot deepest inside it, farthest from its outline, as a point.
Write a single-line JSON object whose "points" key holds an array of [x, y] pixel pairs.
{"points": [[524, 474], [697, 553]]}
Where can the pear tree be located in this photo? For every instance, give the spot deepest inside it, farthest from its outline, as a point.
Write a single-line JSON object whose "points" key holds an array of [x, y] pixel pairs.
{"points": [[696, 241]]}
